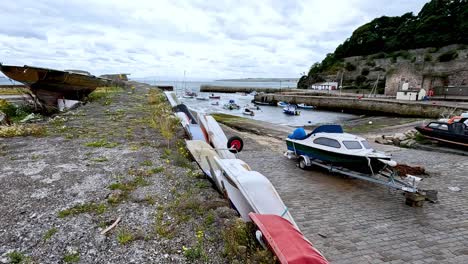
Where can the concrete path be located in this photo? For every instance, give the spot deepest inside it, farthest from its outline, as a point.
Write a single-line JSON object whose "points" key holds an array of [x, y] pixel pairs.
{"points": [[352, 221]]}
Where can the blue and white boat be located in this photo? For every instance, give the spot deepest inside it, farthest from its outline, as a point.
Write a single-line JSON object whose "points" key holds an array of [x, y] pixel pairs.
{"points": [[282, 104], [304, 106], [329, 144], [291, 110]]}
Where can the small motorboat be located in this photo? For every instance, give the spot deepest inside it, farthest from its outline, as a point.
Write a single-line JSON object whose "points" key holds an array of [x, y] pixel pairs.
{"points": [[304, 106], [263, 103], [231, 105], [282, 104], [249, 112], [202, 98], [253, 107], [452, 132], [291, 110], [189, 94], [213, 96], [215, 103], [329, 144]]}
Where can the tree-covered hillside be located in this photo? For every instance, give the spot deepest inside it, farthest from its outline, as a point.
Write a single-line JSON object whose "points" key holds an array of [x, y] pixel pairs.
{"points": [[439, 23]]}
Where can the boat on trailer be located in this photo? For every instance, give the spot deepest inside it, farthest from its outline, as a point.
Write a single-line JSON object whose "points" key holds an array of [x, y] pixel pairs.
{"points": [[328, 147], [330, 144]]}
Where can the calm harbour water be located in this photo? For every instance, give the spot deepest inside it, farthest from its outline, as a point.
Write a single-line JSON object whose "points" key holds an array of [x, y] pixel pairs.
{"points": [[272, 114]]}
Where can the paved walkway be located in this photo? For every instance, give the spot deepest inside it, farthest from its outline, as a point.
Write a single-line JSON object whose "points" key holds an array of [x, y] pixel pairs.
{"points": [[352, 221]]}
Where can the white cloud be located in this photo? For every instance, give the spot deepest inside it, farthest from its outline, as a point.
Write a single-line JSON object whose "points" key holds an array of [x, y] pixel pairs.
{"points": [[271, 38]]}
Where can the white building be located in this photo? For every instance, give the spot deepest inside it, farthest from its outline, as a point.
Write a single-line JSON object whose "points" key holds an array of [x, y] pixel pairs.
{"points": [[410, 94], [325, 86]]}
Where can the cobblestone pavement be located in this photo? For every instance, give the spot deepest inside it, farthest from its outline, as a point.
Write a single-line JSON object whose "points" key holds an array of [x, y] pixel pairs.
{"points": [[353, 221]]}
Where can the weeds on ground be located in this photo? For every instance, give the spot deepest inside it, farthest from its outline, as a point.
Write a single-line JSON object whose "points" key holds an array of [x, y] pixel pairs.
{"points": [[146, 163], [124, 236], [50, 233], [102, 143], [197, 251], [104, 94], [16, 130], [13, 112], [71, 258], [125, 188], [162, 117], [16, 257], [240, 244], [83, 208], [100, 159]]}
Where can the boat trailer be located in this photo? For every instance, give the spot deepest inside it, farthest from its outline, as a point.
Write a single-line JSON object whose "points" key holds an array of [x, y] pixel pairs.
{"points": [[387, 177]]}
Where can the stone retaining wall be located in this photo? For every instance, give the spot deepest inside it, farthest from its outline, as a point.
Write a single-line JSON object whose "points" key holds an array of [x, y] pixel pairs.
{"points": [[368, 106]]}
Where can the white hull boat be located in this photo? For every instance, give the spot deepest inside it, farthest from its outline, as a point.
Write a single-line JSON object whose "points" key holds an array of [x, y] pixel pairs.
{"points": [[250, 191]]}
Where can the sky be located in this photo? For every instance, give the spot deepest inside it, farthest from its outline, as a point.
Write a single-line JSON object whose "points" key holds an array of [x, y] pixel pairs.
{"points": [[162, 39]]}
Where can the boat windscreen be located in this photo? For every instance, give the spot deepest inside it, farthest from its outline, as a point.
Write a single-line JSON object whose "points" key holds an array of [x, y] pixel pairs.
{"points": [[351, 144], [366, 144], [327, 142]]}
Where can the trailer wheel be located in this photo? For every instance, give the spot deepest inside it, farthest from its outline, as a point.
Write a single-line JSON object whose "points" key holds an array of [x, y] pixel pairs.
{"points": [[236, 143], [302, 164]]}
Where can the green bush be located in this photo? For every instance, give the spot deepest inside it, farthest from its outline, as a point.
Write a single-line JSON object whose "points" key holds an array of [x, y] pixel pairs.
{"points": [[448, 56], [349, 66], [365, 71], [370, 63], [428, 57], [360, 80]]}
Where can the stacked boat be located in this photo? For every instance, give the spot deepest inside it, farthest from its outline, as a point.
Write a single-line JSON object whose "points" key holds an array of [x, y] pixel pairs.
{"points": [[251, 194]]}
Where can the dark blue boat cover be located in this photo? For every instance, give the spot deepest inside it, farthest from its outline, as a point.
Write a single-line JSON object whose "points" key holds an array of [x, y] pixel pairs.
{"points": [[298, 133], [328, 129]]}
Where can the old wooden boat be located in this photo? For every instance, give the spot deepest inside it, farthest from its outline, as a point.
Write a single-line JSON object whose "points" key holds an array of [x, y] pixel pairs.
{"points": [[49, 85]]}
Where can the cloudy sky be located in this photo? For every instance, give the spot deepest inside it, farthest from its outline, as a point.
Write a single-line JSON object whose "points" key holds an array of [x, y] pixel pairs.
{"points": [[208, 39]]}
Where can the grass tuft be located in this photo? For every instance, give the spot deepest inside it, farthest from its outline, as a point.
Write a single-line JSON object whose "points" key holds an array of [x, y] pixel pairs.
{"points": [[124, 237], [71, 258], [50, 233], [83, 208], [102, 143]]}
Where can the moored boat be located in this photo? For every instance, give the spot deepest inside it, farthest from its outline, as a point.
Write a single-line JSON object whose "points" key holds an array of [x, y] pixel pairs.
{"points": [[282, 104], [291, 110], [213, 96], [231, 105], [329, 144], [305, 106], [49, 85], [249, 112]]}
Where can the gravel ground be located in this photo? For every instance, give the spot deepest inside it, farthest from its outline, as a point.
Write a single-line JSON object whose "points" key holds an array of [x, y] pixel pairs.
{"points": [[105, 157]]}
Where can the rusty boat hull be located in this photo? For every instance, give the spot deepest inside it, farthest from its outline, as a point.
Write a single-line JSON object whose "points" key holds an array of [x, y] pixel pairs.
{"points": [[49, 85]]}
